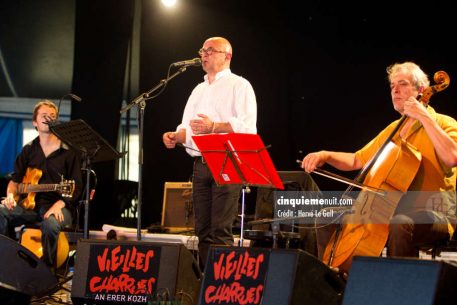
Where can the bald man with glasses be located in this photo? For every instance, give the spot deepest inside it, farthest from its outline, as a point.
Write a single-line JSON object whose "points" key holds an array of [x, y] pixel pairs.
{"points": [[223, 103]]}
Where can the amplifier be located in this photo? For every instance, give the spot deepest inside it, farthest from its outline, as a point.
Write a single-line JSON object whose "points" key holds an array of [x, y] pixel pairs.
{"points": [[177, 209]]}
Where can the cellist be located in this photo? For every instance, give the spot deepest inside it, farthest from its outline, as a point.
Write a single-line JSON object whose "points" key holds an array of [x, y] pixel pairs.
{"points": [[416, 221]]}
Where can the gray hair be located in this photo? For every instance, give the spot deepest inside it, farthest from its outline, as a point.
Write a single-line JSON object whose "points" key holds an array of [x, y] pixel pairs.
{"points": [[419, 78]]}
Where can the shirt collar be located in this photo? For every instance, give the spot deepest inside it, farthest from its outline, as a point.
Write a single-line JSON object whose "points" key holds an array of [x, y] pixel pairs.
{"points": [[219, 74], [63, 145]]}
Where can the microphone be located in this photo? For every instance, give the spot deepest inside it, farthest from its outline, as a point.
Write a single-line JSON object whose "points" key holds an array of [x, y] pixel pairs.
{"points": [[192, 62], [73, 96]]}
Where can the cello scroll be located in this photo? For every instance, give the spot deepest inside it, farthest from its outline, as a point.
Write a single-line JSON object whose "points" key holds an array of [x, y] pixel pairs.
{"points": [[442, 81]]}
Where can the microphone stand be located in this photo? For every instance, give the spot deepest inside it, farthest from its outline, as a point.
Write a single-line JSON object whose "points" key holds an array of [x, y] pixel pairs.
{"points": [[140, 101], [72, 96]]}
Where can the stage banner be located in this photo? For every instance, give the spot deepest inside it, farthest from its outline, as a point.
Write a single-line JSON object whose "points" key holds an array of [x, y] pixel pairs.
{"points": [[134, 272], [265, 276], [115, 271], [123, 272], [234, 275]]}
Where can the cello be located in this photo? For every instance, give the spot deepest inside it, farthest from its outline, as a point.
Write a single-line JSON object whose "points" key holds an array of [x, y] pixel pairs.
{"points": [[365, 230]]}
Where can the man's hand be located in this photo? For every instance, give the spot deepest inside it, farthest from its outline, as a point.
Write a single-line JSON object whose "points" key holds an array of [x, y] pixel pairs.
{"points": [[414, 109], [169, 139], [56, 209], [9, 201], [314, 160], [202, 126]]}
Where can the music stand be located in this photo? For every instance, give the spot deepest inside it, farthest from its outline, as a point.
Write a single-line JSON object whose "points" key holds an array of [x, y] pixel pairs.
{"points": [[239, 159], [81, 137]]}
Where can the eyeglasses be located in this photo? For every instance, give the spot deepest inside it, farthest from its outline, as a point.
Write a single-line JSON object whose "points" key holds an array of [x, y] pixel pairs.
{"points": [[209, 51]]}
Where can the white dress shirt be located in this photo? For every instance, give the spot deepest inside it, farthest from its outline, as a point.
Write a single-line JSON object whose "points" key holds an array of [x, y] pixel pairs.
{"points": [[229, 98]]}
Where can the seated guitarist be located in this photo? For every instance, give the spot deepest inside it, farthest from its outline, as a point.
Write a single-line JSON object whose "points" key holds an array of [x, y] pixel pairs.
{"points": [[51, 158]]}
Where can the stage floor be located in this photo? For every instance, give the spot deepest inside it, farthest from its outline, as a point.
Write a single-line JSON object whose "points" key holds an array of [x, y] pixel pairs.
{"points": [[62, 296]]}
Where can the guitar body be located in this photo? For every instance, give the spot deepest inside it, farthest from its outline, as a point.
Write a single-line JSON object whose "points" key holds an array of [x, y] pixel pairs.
{"points": [[32, 176], [31, 239], [30, 186]]}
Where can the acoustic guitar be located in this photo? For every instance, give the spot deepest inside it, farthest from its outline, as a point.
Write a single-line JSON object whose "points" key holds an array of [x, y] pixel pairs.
{"points": [[31, 239], [30, 187]]}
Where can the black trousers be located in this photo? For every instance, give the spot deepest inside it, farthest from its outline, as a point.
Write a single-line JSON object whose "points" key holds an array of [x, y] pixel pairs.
{"points": [[215, 208], [407, 232]]}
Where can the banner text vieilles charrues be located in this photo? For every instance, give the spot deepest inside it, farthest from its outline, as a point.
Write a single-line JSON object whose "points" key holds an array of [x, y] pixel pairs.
{"points": [[229, 270], [114, 267]]}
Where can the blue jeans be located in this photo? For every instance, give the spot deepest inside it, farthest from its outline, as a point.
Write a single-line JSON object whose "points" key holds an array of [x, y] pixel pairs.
{"points": [[50, 227]]}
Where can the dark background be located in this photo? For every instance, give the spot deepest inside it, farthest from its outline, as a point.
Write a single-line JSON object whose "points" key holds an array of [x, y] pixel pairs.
{"points": [[318, 68]]}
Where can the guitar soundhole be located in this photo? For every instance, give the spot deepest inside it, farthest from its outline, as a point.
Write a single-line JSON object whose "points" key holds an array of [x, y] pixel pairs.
{"points": [[27, 258]]}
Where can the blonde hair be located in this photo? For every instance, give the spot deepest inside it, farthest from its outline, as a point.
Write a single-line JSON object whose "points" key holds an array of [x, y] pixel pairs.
{"points": [[40, 104]]}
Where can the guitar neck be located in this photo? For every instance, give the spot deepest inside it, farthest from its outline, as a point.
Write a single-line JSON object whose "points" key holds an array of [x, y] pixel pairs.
{"points": [[25, 188]]}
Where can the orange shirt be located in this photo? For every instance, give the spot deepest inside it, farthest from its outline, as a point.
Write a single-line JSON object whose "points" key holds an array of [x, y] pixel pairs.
{"points": [[433, 177]]}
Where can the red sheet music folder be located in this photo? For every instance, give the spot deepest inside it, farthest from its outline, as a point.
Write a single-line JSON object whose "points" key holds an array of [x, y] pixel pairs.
{"points": [[238, 158]]}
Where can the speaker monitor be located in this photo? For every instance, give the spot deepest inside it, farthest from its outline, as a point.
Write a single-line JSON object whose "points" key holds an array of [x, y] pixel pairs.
{"points": [[400, 281], [134, 272], [235, 275], [177, 209], [22, 273]]}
